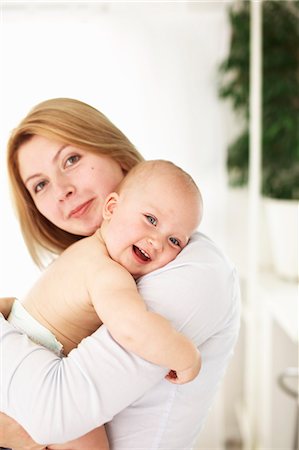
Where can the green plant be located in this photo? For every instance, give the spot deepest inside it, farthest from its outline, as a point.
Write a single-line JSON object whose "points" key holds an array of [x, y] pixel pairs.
{"points": [[280, 96]]}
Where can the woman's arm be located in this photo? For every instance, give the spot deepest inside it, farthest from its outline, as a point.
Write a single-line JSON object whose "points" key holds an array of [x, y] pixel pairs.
{"points": [[57, 400], [149, 335], [12, 435], [50, 396]]}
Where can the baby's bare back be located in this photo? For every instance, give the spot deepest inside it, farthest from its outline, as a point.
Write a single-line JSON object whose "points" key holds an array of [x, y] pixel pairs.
{"points": [[60, 301]]}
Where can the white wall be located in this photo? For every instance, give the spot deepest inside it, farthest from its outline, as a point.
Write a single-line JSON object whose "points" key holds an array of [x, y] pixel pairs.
{"points": [[150, 67]]}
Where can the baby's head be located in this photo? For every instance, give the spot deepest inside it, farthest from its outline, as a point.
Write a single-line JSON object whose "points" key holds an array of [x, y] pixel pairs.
{"points": [[151, 217]]}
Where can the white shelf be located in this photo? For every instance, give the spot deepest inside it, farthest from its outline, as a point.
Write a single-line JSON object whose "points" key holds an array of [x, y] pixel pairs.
{"points": [[265, 415]]}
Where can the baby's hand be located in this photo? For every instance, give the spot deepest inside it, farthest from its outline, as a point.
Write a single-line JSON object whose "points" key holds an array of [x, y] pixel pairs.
{"points": [[184, 376], [6, 305]]}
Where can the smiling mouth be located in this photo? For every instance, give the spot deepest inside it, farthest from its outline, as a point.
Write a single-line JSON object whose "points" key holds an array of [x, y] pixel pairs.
{"points": [[141, 254], [80, 210]]}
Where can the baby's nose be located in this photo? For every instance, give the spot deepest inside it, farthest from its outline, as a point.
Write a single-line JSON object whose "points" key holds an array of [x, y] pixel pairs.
{"points": [[156, 243]]}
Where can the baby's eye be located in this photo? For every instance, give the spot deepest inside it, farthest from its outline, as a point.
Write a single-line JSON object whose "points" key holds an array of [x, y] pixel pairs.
{"points": [[151, 219], [39, 186], [175, 241], [72, 160]]}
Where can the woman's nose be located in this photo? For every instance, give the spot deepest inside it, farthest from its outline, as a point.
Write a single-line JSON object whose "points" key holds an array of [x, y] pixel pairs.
{"points": [[65, 192], [64, 189]]}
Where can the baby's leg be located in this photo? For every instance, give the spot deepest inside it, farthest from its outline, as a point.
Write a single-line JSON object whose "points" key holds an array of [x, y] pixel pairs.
{"points": [[94, 440]]}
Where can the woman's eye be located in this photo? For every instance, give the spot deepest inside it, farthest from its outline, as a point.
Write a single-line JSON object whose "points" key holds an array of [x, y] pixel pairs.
{"points": [[39, 186], [151, 219], [175, 241], [72, 160]]}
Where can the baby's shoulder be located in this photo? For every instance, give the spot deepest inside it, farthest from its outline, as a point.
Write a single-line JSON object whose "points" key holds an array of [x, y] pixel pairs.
{"points": [[86, 249]]}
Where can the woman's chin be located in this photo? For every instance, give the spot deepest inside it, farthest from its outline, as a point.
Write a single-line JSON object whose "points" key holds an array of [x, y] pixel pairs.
{"points": [[83, 231]]}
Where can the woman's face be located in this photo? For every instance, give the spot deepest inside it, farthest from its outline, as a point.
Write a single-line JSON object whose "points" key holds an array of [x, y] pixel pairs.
{"points": [[68, 185]]}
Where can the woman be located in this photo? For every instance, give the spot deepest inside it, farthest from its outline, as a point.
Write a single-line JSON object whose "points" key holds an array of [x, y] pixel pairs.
{"points": [[84, 157]]}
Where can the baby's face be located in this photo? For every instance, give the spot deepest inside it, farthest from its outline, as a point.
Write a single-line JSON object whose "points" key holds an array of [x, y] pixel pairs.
{"points": [[148, 228]]}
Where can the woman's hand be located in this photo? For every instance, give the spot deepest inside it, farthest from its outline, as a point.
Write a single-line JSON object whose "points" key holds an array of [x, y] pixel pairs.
{"points": [[184, 376], [12, 435], [6, 305]]}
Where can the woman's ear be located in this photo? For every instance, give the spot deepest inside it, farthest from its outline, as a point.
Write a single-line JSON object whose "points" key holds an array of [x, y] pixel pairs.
{"points": [[110, 204]]}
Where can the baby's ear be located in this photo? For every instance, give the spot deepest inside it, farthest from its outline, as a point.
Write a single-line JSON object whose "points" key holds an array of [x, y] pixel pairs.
{"points": [[110, 204]]}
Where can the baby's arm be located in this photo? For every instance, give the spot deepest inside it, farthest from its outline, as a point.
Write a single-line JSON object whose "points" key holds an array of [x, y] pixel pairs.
{"points": [[117, 302]]}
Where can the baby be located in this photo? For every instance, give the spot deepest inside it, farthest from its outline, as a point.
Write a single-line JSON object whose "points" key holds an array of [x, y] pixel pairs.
{"points": [[146, 224]]}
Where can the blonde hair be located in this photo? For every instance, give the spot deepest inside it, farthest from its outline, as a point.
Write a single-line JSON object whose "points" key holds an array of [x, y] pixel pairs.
{"points": [[68, 121]]}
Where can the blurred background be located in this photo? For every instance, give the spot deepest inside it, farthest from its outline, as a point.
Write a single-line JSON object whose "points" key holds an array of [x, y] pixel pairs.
{"points": [[212, 86]]}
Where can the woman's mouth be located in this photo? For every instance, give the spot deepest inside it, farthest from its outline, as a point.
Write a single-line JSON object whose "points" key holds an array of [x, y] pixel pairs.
{"points": [[142, 256], [80, 210]]}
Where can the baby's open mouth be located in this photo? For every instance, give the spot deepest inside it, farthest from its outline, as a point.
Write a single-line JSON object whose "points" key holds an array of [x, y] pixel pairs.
{"points": [[141, 254]]}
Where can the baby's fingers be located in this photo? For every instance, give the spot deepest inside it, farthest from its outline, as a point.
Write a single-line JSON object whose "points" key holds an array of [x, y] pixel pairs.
{"points": [[174, 378]]}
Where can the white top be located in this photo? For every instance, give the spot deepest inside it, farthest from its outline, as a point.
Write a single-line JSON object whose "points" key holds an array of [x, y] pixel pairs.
{"points": [[57, 400]]}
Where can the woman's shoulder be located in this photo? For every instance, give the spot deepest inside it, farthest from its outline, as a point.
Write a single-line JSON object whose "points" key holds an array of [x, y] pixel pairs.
{"points": [[200, 283], [201, 252], [201, 262]]}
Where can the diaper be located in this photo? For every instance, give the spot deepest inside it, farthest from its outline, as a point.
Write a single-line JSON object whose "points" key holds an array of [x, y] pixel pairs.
{"points": [[23, 321]]}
